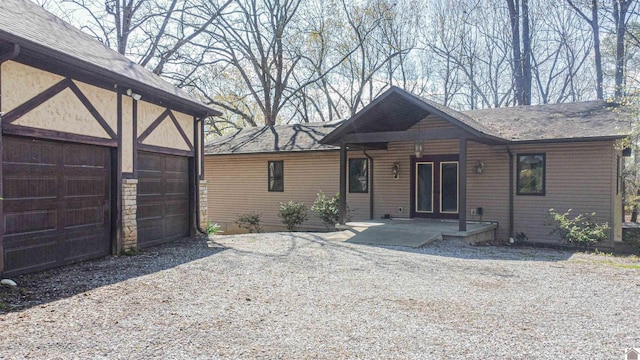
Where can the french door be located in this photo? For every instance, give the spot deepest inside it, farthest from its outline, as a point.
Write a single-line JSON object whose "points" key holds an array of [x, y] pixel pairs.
{"points": [[435, 187]]}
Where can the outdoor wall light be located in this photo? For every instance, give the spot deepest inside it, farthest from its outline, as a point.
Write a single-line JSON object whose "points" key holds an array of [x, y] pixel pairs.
{"points": [[479, 167], [135, 96], [395, 170], [418, 148]]}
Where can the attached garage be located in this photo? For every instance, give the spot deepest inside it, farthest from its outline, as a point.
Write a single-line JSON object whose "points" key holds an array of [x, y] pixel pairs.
{"points": [[56, 203], [99, 155], [163, 198]]}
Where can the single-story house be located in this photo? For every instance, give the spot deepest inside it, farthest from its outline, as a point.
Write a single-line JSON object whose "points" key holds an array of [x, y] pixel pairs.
{"points": [[407, 157], [256, 168], [98, 154]]}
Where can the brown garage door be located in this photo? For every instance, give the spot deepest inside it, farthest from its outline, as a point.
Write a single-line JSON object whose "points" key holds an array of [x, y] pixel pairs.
{"points": [[163, 198], [56, 204]]}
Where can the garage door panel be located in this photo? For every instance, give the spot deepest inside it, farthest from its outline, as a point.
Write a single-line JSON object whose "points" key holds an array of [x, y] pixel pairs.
{"points": [[148, 186], [179, 187], [177, 165], [176, 208], [28, 187], [77, 187], [16, 151], [150, 231], [149, 210], [54, 214], [39, 255], [176, 230], [163, 198], [29, 222], [84, 217], [76, 157], [82, 246]]}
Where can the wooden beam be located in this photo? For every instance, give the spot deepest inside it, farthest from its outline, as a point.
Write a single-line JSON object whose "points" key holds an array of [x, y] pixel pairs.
{"points": [[408, 135], [179, 128], [35, 101], [117, 241], [462, 186], [94, 112], [134, 137], [11, 129], [153, 125], [164, 150], [343, 184]]}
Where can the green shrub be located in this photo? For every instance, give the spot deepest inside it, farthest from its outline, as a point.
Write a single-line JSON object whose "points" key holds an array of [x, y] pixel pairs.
{"points": [[250, 222], [581, 230], [293, 214], [327, 209], [631, 236], [212, 228]]}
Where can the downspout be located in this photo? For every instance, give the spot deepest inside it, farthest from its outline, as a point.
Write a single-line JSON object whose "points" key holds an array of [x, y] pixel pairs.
{"points": [[511, 179], [342, 212], [364, 151]]}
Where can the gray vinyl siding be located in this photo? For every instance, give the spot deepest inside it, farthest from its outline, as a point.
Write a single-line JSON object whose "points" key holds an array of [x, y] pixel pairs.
{"points": [[237, 184], [489, 190], [579, 176]]}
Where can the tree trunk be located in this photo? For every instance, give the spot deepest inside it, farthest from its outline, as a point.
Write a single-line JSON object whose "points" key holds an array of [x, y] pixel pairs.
{"points": [[526, 55], [595, 27], [514, 15], [620, 8]]}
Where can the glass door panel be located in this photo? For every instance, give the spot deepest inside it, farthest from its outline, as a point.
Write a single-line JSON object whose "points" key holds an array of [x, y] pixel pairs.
{"points": [[424, 187], [449, 187]]}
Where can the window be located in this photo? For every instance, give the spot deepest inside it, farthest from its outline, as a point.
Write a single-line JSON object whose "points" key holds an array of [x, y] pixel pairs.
{"points": [[358, 176], [276, 176], [531, 174]]}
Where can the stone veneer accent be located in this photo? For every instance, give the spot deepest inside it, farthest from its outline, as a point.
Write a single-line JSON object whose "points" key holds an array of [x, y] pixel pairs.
{"points": [[129, 211], [204, 212]]}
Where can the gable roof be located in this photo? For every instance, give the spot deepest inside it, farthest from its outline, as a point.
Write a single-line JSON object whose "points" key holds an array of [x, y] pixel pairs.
{"points": [[397, 110], [41, 34], [271, 139]]}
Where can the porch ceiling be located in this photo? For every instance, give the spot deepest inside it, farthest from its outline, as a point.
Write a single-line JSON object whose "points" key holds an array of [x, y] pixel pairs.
{"points": [[396, 111]]}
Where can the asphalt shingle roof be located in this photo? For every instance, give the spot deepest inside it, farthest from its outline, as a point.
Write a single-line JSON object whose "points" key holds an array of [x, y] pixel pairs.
{"points": [[578, 120], [552, 122], [27, 24], [268, 139]]}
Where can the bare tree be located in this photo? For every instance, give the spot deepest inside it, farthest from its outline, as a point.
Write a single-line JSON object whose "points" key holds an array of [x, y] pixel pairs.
{"points": [[521, 46], [619, 11], [595, 29]]}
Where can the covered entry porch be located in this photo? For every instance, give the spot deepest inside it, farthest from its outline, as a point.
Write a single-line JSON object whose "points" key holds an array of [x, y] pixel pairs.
{"points": [[438, 175]]}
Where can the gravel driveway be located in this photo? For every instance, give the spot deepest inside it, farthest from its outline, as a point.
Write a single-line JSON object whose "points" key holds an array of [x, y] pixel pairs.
{"points": [[295, 296]]}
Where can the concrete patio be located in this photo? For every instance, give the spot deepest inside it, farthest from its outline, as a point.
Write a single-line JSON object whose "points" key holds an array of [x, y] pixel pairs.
{"points": [[413, 232]]}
